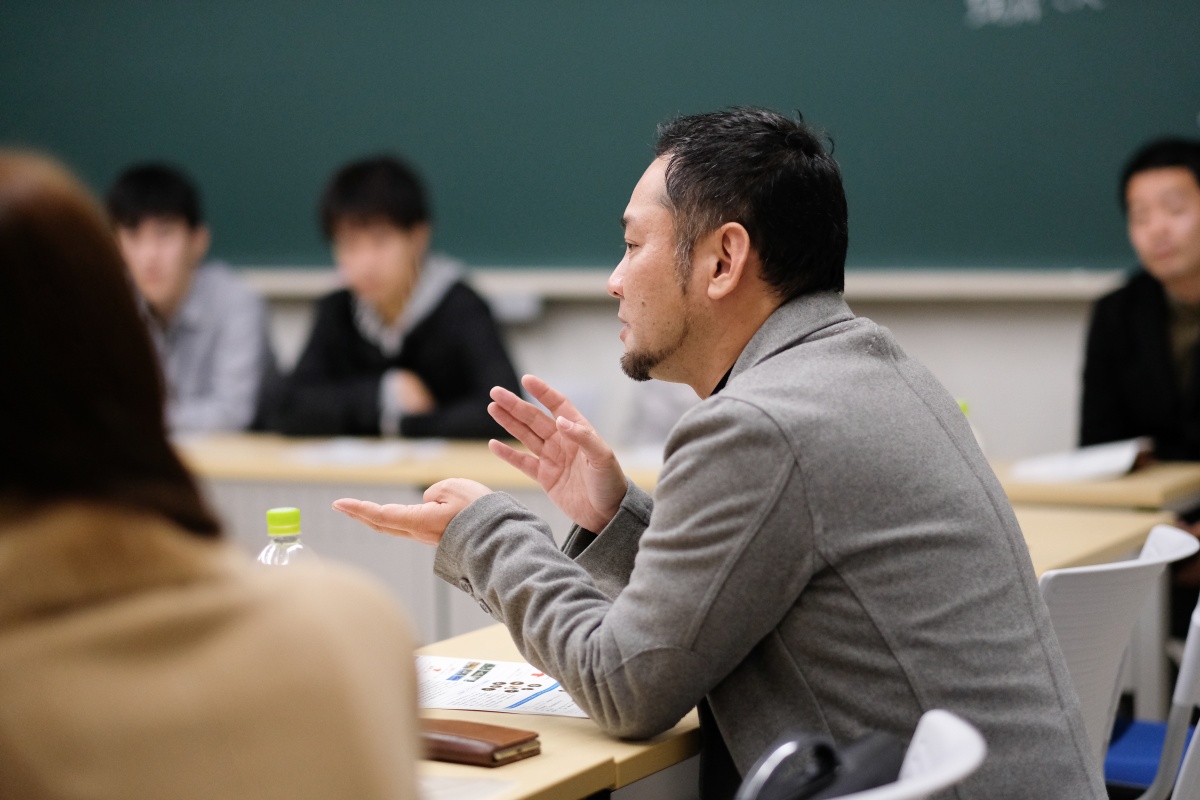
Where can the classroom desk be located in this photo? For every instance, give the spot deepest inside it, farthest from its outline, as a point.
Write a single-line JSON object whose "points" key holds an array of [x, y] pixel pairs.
{"points": [[1173, 486], [1164, 486], [409, 462], [1059, 537], [577, 759]]}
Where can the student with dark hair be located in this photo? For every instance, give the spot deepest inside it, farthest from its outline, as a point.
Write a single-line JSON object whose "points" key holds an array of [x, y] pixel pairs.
{"points": [[1141, 370], [140, 654], [210, 331], [1141, 374], [407, 348], [826, 550]]}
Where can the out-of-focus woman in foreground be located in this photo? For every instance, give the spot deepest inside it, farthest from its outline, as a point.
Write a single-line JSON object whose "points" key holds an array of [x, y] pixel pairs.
{"points": [[140, 654]]}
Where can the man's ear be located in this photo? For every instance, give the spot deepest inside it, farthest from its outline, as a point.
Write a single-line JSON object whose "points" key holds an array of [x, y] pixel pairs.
{"points": [[198, 242], [728, 259]]}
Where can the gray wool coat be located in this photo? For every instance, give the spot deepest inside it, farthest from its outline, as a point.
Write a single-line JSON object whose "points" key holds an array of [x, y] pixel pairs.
{"points": [[827, 549]]}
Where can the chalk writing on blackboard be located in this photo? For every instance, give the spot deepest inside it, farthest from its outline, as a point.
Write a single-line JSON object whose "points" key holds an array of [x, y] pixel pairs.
{"points": [[1022, 12]]}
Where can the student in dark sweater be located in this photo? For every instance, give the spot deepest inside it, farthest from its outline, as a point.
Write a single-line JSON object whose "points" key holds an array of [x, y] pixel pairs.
{"points": [[407, 348], [1141, 374]]}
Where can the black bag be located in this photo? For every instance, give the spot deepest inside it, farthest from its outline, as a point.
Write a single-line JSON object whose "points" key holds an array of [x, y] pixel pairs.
{"points": [[807, 767]]}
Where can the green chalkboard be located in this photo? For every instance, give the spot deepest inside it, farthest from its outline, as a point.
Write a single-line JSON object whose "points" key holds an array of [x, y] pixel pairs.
{"points": [[972, 133]]}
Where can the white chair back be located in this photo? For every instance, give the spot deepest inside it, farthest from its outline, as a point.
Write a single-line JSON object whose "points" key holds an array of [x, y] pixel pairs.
{"points": [[945, 750], [1094, 609]]}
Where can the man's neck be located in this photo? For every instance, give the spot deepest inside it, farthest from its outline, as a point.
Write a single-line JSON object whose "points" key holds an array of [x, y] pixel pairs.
{"points": [[391, 310], [168, 309], [166, 312], [734, 332]]}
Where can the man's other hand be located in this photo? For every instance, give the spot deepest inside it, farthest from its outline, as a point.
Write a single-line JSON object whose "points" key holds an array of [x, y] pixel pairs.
{"points": [[423, 522], [412, 394]]}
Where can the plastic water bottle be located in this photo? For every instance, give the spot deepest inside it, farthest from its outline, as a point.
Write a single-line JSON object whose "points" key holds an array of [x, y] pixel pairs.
{"points": [[966, 410], [283, 526]]}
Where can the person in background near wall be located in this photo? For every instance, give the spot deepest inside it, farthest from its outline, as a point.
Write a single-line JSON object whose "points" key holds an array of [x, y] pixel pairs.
{"points": [[209, 329], [1141, 373], [407, 348], [141, 654]]}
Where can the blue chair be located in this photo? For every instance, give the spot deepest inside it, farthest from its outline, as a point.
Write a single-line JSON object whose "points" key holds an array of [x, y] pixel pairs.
{"points": [[1147, 755]]}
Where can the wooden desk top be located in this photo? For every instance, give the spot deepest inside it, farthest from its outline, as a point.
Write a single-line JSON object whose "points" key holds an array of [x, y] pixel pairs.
{"points": [[1165, 485], [577, 759], [410, 462], [1075, 537]]}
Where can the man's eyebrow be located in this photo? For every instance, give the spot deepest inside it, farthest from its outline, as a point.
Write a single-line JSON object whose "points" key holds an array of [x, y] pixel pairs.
{"points": [[624, 222]]}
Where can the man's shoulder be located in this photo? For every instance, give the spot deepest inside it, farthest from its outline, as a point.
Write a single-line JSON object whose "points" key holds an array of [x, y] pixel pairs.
{"points": [[1138, 302], [338, 301], [444, 289], [222, 287], [1139, 287]]}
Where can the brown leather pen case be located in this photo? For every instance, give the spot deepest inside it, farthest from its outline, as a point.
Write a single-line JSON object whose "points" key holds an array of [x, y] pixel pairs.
{"points": [[475, 743]]}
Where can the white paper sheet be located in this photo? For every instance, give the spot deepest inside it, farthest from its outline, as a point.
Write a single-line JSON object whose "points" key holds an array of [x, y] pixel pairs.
{"points": [[1098, 462], [483, 685], [444, 787]]}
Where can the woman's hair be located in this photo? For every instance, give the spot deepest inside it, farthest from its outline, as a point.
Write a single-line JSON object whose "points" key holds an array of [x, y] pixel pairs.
{"points": [[81, 396]]}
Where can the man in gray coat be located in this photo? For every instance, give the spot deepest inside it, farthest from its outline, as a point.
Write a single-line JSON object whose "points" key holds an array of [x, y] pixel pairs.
{"points": [[826, 550]]}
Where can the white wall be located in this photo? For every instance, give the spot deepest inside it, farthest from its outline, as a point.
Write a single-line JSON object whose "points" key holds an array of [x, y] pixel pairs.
{"points": [[1012, 350]]}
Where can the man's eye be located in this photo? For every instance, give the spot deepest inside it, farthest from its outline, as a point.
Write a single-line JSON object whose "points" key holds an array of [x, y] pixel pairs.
{"points": [[629, 246]]}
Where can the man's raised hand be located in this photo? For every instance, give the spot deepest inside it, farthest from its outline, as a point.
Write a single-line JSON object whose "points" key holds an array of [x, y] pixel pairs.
{"points": [[575, 467]]}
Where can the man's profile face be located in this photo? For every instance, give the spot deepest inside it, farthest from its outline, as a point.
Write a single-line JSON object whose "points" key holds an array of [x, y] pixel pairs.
{"points": [[655, 308], [379, 261], [162, 253], [1164, 222]]}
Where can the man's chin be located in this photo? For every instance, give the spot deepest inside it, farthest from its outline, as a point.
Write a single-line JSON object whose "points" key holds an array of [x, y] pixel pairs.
{"points": [[637, 365]]}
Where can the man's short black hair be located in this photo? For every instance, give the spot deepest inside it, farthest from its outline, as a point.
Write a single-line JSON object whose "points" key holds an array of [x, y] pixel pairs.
{"points": [[153, 190], [381, 186], [1161, 154], [772, 175]]}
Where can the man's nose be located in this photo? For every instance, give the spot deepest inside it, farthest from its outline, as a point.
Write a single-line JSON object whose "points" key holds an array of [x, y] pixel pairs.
{"points": [[614, 285]]}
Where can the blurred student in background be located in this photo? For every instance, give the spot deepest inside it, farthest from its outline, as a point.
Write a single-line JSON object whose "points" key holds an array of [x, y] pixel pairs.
{"points": [[209, 329], [140, 654], [1141, 374], [407, 348]]}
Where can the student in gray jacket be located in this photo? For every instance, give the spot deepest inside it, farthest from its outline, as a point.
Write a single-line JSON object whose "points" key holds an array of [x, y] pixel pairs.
{"points": [[209, 329], [827, 548]]}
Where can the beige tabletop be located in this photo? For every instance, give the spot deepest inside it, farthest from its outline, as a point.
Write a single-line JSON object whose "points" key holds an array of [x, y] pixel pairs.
{"points": [[1171, 486], [410, 462], [1060, 537], [576, 759]]}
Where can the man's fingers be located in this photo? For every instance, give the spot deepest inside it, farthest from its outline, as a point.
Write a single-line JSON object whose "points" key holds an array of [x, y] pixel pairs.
{"points": [[392, 518], [582, 434], [550, 397], [518, 429], [522, 461], [525, 412]]}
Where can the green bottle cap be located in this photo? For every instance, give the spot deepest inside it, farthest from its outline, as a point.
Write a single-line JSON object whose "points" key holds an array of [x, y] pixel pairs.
{"points": [[283, 521]]}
